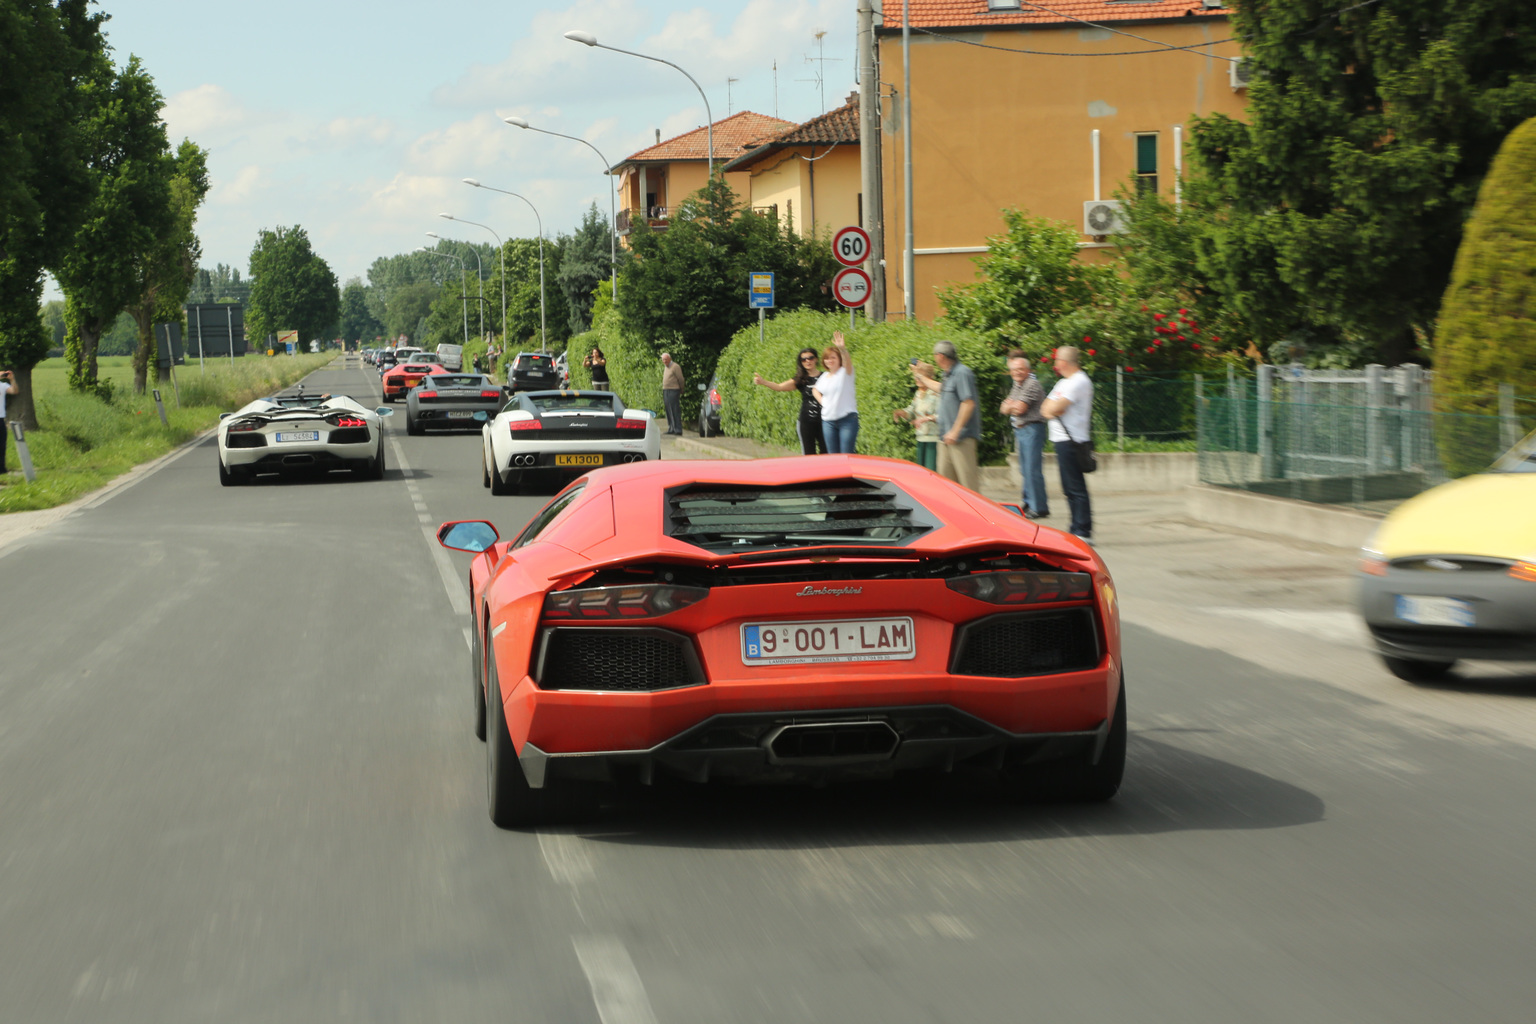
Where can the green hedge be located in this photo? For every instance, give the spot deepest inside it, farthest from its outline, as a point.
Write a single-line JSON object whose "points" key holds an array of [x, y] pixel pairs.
{"points": [[880, 354]]}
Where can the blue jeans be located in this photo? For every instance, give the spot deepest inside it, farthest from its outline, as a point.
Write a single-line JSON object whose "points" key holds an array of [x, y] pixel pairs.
{"points": [[841, 434], [1075, 487], [1030, 441]]}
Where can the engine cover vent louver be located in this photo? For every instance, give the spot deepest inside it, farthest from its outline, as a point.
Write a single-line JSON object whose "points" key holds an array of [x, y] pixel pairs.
{"points": [[827, 513]]}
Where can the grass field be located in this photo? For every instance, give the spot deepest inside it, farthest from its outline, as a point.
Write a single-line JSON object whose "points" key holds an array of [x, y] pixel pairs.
{"points": [[84, 442]]}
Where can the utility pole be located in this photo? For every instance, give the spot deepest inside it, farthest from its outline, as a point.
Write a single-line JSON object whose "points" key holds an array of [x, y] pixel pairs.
{"points": [[908, 257], [869, 161]]}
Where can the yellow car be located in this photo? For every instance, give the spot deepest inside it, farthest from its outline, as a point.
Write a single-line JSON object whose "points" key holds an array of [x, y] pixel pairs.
{"points": [[1451, 573]]}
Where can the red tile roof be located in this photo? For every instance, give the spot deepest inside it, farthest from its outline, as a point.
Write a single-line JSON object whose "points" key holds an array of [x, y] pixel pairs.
{"points": [[832, 128], [733, 135], [938, 14]]}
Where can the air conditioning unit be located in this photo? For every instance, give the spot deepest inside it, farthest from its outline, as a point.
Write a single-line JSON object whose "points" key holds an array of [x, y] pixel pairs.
{"points": [[1242, 72], [1103, 217]]}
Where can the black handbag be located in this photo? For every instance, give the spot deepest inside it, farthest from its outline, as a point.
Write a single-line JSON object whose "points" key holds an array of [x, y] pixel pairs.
{"points": [[1087, 461]]}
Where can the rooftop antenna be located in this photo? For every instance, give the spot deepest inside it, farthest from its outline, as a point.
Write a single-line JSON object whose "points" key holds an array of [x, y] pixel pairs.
{"points": [[728, 83], [821, 60], [775, 87]]}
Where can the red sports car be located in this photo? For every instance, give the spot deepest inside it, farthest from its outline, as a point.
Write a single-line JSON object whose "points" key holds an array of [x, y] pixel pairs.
{"points": [[398, 380], [796, 618]]}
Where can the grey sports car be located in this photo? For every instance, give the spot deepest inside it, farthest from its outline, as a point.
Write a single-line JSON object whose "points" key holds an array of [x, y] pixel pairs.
{"points": [[452, 401]]}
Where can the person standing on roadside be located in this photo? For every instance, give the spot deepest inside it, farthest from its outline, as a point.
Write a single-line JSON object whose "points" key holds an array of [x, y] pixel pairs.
{"points": [[7, 389], [598, 364], [1069, 409], [839, 405], [923, 414], [959, 419], [672, 393], [1022, 406], [808, 426]]}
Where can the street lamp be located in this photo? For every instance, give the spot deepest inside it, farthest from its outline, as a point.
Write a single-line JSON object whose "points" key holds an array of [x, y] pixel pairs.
{"points": [[543, 326], [451, 256], [502, 250], [588, 39], [479, 275], [613, 217]]}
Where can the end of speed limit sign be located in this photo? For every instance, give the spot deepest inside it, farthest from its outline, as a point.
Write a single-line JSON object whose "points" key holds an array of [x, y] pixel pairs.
{"points": [[851, 246], [851, 286]]}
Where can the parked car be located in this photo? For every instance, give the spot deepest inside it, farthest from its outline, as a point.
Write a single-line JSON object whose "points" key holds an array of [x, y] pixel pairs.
{"points": [[1451, 574], [709, 408], [533, 371], [786, 620], [452, 357]]}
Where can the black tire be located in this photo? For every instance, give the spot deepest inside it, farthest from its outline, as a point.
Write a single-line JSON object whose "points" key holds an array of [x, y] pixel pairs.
{"points": [[485, 471], [500, 487], [1411, 670], [226, 478], [375, 467], [512, 802], [1075, 779], [477, 669]]}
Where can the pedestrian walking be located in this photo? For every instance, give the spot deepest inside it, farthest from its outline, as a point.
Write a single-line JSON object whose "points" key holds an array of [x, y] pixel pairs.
{"points": [[839, 405], [598, 364], [1022, 406], [672, 393], [1069, 411], [959, 419], [923, 414], [808, 426], [7, 389]]}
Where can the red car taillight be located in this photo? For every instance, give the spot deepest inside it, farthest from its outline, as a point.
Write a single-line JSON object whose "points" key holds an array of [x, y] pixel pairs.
{"points": [[630, 425], [235, 428], [1023, 587], [714, 397], [644, 601], [1523, 571], [524, 425], [348, 421], [490, 394], [426, 394]]}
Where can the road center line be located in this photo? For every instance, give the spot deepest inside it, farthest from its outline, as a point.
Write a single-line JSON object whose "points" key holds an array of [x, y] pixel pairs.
{"points": [[458, 591], [616, 986], [567, 856]]}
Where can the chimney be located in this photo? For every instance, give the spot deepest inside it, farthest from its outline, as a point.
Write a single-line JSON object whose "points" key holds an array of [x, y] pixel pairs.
{"points": [[658, 136]]}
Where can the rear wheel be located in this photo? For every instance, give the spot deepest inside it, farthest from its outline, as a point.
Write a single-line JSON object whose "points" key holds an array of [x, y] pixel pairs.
{"points": [[477, 669], [1075, 779], [500, 487], [226, 478], [485, 471], [375, 467], [1412, 670], [512, 802]]}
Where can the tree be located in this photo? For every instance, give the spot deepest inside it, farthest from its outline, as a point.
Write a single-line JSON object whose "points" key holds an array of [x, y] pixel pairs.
{"points": [[166, 270], [686, 289], [292, 289], [47, 48], [1487, 331], [1027, 276], [129, 171], [221, 284], [357, 324], [524, 292], [586, 262], [409, 309], [1333, 216]]}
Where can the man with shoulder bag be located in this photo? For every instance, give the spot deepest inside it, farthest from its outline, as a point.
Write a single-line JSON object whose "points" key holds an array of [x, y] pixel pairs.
{"points": [[1069, 410]]}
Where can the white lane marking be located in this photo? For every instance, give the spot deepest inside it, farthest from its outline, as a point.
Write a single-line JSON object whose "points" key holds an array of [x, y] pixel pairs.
{"points": [[469, 638], [616, 986], [457, 589], [567, 856]]}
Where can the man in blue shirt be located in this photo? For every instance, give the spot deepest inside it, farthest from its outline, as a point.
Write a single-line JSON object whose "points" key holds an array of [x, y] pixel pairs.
{"points": [[959, 419]]}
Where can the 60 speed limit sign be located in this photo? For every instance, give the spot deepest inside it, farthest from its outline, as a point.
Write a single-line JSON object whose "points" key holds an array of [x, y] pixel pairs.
{"points": [[851, 246], [851, 286]]}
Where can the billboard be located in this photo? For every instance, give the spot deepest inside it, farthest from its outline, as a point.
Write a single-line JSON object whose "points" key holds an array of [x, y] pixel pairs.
{"points": [[210, 326]]}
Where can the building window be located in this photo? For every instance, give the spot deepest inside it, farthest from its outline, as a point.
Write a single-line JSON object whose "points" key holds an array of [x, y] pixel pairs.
{"points": [[1146, 162]]}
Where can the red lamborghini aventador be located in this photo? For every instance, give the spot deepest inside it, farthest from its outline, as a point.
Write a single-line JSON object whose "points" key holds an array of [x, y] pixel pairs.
{"points": [[398, 380], [797, 618]]}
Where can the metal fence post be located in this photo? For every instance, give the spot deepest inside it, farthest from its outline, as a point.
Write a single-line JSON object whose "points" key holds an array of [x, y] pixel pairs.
{"points": [[1268, 469], [1375, 387], [23, 452], [1509, 423], [1201, 424], [1120, 405]]}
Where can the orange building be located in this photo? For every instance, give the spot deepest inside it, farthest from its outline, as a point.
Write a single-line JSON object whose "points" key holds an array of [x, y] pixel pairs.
{"points": [[1017, 105], [809, 173], [659, 177]]}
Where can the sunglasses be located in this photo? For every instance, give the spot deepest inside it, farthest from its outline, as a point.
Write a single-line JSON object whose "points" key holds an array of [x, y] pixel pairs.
{"points": [[804, 358]]}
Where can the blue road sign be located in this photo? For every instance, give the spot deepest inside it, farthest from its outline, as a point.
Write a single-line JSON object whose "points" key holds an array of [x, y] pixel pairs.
{"points": [[760, 289]]}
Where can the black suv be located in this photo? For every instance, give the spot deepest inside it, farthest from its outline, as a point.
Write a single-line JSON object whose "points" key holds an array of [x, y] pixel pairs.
{"points": [[533, 371]]}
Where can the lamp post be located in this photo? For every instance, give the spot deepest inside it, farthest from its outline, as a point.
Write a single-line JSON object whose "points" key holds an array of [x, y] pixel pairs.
{"points": [[613, 217], [502, 251], [588, 39], [479, 275], [451, 256], [543, 326]]}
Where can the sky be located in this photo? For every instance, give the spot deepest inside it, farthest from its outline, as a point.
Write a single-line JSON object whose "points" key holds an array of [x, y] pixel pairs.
{"points": [[359, 121]]}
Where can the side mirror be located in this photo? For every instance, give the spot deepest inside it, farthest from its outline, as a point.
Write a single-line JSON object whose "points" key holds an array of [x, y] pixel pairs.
{"points": [[384, 410], [473, 535], [703, 387], [225, 415]]}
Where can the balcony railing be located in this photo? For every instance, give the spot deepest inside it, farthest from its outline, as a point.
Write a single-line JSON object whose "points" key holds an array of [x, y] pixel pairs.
{"points": [[655, 217]]}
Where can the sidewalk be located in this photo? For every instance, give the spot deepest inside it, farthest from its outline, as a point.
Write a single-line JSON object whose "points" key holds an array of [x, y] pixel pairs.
{"points": [[1288, 605]]}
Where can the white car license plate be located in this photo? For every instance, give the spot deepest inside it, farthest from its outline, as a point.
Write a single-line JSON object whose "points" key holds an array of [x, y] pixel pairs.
{"points": [[827, 640], [298, 435], [461, 414], [1435, 611]]}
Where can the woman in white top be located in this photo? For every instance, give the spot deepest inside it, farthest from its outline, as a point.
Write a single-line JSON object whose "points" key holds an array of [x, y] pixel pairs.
{"points": [[839, 405]]}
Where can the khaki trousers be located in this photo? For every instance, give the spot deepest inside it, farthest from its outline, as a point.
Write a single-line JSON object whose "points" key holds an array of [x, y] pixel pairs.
{"points": [[957, 462]]}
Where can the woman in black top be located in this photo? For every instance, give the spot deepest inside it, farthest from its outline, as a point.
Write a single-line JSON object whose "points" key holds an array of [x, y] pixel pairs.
{"points": [[599, 367], [807, 369]]}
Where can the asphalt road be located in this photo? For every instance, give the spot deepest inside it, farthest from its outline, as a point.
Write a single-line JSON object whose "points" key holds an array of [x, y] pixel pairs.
{"points": [[238, 782]]}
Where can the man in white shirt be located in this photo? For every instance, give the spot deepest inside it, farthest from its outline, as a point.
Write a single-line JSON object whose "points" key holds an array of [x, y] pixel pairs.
{"points": [[7, 389], [1069, 410]]}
